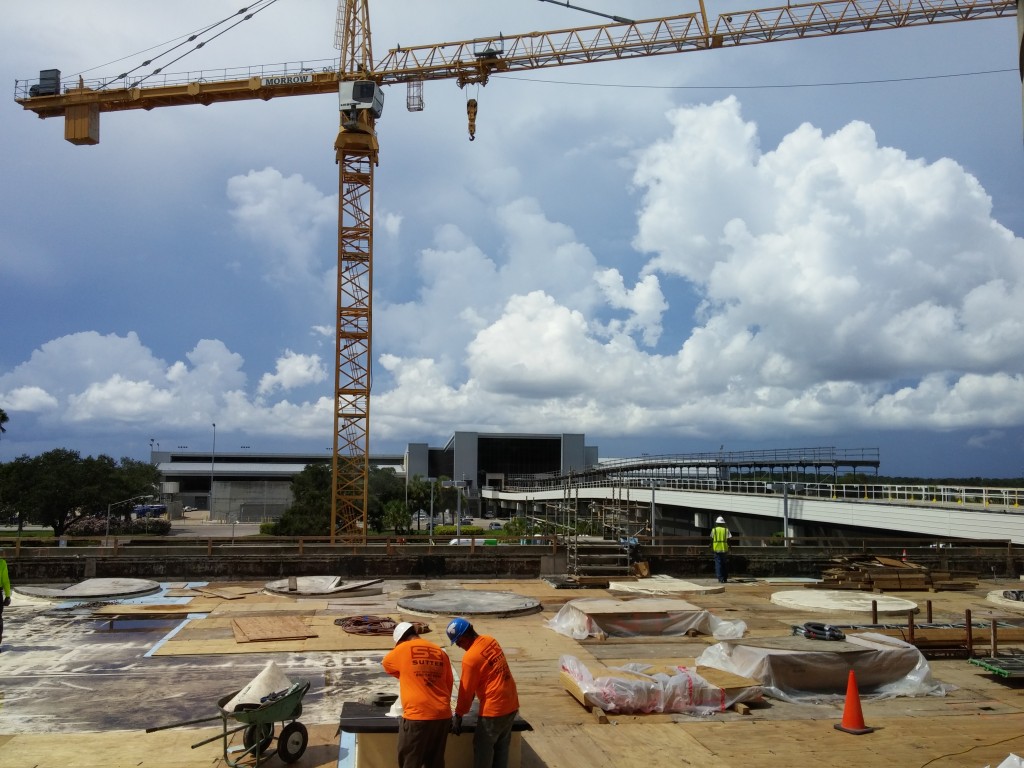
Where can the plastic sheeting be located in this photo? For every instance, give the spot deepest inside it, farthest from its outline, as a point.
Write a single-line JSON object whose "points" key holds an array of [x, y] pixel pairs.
{"points": [[270, 680], [1011, 761], [883, 666], [644, 617], [636, 692]]}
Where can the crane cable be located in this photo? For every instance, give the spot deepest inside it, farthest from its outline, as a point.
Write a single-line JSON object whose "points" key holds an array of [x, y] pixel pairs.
{"points": [[763, 86], [249, 11]]}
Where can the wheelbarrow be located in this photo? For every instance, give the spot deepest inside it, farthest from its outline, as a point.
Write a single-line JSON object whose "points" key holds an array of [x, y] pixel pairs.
{"points": [[258, 728]]}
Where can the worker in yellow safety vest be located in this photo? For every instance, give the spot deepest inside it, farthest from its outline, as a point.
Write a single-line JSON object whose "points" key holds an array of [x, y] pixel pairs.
{"points": [[5, 595], [720, 547]]}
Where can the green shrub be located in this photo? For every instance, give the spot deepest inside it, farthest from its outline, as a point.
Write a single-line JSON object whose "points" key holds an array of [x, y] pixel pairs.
{"points": [[151, 526], [451, 530]]}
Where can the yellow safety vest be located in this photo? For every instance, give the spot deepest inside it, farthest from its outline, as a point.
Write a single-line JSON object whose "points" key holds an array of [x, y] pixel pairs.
{"points": [[720, 539]]}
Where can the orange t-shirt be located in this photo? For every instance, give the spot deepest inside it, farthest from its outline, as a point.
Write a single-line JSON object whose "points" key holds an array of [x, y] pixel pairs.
{"points": [[485, 674], [425, 679]]}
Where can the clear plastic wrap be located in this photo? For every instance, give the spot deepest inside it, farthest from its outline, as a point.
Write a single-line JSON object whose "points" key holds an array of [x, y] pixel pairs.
{"points": [[631, 690], [645, 617], [883, 666]]}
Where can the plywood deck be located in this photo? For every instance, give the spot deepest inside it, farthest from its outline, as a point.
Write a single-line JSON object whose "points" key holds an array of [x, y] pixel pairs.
{"points": [[49, 674]]}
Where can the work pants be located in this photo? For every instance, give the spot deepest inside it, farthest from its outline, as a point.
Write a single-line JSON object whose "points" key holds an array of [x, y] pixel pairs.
{"points": [[421, 743], [722, 566], [491, 741]]}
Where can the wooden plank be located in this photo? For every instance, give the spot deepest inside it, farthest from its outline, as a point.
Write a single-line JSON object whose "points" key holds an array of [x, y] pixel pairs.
{"points": [[251, 629]]}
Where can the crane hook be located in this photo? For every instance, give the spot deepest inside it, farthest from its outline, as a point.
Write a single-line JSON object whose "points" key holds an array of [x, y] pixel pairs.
{"points": [[471, 113]]}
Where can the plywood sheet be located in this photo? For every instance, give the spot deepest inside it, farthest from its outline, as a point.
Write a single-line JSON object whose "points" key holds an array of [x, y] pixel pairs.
{"points": [[226, 593], [131, 609], [253, 629]]}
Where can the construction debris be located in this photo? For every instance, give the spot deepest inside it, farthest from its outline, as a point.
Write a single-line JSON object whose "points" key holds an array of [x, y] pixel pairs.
{"points": [[642, 688], [874, 573]]}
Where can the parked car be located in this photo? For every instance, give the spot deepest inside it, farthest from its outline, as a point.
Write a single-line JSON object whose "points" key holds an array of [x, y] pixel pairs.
{"points": [[495, 527], [466, 521]]}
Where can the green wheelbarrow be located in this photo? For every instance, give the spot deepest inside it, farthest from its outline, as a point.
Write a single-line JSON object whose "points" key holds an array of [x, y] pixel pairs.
{"points": [[257, 724]]}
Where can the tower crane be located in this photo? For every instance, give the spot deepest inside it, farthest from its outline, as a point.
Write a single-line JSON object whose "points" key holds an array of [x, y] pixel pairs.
{"points": [[358, 80]]}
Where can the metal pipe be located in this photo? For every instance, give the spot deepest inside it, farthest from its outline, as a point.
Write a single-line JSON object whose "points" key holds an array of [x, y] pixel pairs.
{"points": [[970, 634], [184, 722]]}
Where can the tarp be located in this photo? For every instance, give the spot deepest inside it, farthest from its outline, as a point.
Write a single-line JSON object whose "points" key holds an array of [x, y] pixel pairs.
{"points": [[644, 617], [883, 667], [631, 690]]}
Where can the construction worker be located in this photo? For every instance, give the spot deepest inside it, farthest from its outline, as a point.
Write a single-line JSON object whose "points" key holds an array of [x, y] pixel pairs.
{"points": [[720, 536], [486, 676], [425, 680], [5, 591]]}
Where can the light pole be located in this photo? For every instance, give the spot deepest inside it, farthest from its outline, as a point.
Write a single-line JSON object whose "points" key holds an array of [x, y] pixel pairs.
{"points": [[431, 480], [654, 484], [213, 459], [117, 504], [458, 485]]}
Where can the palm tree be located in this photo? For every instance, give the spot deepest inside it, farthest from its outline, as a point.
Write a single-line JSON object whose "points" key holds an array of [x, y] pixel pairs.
{"points": [[3, 420]]}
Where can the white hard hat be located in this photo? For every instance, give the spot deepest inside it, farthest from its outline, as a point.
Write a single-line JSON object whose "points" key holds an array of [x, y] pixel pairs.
{"points": [[400, 630], [720, 519]]}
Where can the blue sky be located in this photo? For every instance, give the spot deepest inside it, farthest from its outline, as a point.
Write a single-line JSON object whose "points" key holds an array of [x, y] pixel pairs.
{"points": [[810, 243]]}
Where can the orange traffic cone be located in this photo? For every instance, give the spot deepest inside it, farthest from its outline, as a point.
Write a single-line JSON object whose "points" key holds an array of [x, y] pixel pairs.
{"points": [[904, 555], [853, 718]]}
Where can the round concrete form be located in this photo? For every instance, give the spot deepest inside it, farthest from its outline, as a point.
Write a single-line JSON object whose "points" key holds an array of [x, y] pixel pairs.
{"points": [[320, 586], [470, 602], [829, 600], [996, 596], [664, 585], [92, 589]]}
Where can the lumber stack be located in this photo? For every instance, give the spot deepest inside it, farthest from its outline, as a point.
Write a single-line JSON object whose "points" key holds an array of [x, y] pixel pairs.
{"points": [[874, 573]]}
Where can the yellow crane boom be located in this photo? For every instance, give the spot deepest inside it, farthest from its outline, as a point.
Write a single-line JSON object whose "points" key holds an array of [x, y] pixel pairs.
{"points": [[466, 62], [473, 61]]}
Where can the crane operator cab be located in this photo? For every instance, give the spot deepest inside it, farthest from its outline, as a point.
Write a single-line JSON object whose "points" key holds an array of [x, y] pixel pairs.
{"points": [[357, 95]]}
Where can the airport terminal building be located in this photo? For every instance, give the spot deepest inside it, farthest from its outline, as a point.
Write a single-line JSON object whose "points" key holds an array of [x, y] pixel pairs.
{"points": [[256, 487]]}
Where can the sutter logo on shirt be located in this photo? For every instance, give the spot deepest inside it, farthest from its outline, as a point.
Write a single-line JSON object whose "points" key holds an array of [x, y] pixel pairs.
{"points": [[425, 655]]}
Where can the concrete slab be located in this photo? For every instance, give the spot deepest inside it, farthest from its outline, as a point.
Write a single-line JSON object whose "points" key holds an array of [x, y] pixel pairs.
{"points": [[829, 600], [466, 602], [309, 586], [79, 690], [996, 596], [665, 585], [92, 589]]}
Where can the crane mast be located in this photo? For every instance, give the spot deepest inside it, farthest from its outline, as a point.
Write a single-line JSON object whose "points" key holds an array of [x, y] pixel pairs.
{"points": [[357, 81], [356, 152]]}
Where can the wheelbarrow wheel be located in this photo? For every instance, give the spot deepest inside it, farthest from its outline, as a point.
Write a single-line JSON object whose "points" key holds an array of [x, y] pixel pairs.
{"points": [[258, 735], [292, 742]]}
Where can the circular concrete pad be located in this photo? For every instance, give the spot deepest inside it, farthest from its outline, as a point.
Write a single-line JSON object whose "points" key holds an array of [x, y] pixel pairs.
{"points": [[664, 585], [93, 589], [470, 602], [827, 600], [319, 586], [996, 596]]}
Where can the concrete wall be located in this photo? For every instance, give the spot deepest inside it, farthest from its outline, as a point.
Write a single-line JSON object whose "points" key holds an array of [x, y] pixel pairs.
{"points": [[178, 563]]}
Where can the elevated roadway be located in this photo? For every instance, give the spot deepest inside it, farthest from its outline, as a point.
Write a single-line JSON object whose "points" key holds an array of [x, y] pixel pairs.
{"points": [[753, 508]]}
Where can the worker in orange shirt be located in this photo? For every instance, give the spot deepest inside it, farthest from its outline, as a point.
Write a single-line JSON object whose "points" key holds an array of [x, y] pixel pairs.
{"points": [[425, 680], [485, 675]]}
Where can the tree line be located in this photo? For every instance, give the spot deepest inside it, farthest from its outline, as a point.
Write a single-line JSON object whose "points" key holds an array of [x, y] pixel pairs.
{"points": [[56, 488], [390, 507]]}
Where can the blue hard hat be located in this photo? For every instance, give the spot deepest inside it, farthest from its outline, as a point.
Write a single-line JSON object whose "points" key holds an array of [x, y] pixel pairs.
{"points": [[456, 629]]}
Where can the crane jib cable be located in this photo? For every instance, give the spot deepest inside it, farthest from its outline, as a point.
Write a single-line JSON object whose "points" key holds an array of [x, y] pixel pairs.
{"points": [[250, 11]]}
